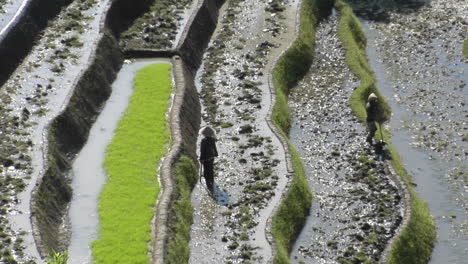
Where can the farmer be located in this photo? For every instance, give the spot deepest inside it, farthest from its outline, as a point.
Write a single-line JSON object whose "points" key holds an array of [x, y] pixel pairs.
{"points": [[208, 152], [373, 115]]}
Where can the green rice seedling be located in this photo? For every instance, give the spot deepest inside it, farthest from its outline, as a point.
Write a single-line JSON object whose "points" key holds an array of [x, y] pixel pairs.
{"points": [[127, 202], [57, 258]]}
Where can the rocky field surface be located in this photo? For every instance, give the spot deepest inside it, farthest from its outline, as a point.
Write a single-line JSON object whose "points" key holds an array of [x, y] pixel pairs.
{"points": [[30, 98], [420, 48], [157, 28], [425, 75], [356, 207], [251, 169]]}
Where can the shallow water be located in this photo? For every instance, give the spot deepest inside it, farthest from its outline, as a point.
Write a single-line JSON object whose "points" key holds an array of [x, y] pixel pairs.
{"points": [[87, 171], [446, 197], [330, 141], [27, 80], [10, 12], [217, 226]]}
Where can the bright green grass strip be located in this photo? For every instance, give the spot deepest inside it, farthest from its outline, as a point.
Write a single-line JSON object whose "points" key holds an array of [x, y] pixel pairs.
{"points": [[293, 210], [185, 178], [126, 204], [414, 245], [354, 40], [465, 48], [290, 68]]}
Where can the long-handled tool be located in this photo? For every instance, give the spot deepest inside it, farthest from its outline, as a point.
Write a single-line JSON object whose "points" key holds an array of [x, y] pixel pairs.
{"points": [[381, 134]]}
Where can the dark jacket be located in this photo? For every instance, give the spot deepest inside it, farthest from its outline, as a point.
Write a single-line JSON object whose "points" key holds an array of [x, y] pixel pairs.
{"points": [[372, 110], [208, 149]]}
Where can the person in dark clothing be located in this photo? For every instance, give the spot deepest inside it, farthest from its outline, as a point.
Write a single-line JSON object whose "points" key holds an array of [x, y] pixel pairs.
{"points": [[208, 152], [373, 114]]}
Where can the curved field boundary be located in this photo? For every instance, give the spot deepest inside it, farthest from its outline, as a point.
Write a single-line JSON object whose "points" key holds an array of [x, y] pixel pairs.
{"points": [[171, 237], [291, 214], [179, 167], [19, 35], [68, 131], [184, 102], [127, 199], [415, 238], [62, 138]]}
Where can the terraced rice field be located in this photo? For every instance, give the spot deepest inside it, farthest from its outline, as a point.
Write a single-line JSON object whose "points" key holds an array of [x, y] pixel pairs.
{"points": [[283, 83]]}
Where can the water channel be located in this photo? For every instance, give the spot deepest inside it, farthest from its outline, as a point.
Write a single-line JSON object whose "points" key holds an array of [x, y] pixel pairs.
{"points": [[425, 86], [429, 173], [87, 171]]}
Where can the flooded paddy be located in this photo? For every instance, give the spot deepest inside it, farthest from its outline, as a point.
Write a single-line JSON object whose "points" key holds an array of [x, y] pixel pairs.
{"points": [[356, 206], [34, 94], [416, 54], [160, 27], [251, 169], [87, 173]]}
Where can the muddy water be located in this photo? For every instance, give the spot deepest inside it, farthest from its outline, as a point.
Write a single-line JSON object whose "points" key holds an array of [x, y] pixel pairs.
{"points": [[344, 224], [251, 169], [87, 172], [420, 68]]}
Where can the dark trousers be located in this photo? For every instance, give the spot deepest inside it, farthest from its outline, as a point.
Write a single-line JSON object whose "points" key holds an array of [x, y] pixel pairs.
{"points": [[372, 128], [208, 173]]}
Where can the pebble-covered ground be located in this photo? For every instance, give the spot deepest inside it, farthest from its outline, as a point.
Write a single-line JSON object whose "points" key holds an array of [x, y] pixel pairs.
{"points": [[426, 73], [250, 170], [29, 99], [356, 207], [157, 28]]}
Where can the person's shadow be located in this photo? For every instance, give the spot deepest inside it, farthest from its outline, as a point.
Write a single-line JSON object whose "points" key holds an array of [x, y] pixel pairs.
{"points": [[382, 151], [221, 197]]}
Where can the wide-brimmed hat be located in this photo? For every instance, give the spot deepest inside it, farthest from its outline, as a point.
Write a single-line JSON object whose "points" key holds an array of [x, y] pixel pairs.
{"points": [[372, 97], [207, 131]]}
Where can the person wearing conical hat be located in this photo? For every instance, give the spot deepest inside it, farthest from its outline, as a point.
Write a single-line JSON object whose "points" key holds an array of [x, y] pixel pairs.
{"points": [[372, 110], [208, 152]]}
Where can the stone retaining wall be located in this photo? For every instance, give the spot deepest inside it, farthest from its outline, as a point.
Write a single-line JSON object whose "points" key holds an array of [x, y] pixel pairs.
{"points": [[68, 132], [185, 113], [196, 37], [18, 38], [184, 123]]}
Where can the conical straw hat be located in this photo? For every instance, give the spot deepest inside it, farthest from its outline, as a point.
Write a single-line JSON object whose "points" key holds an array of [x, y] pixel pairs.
{"points": [[371, 97], [207, 131]]}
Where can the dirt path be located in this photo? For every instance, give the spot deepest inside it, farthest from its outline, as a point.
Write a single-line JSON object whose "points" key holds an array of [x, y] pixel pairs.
{"points": [[425, 75], [356, 207], [251, 168]]}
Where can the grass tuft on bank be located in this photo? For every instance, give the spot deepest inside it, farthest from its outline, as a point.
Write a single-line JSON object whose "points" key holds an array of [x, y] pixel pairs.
{"points": [[185, 178], [290, 68], [414, 245], [354, 40], [126, 204]]}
